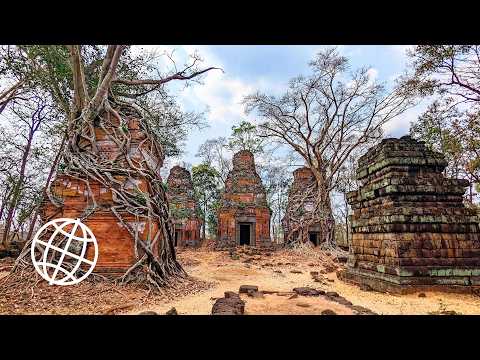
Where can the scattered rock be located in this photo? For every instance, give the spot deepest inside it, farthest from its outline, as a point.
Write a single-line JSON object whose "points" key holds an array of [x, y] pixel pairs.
{"points": [[296, 272], [330, 280], [332, 294], [422, 295], [306, 291], [269, 291], [255, 294], [148, 313], [343, 301], [323, 272], [444, 312], [277, 271], [360, 310], [172, 311], [231, 305], [305, 305], [342, 259], [229, 294], [328, 312], [235, 257], [311, 264], [365, 287], [244, 289]]}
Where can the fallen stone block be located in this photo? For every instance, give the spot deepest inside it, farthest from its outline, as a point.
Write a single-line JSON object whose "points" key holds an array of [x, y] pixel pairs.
{"points": [[306, 291], [244, 289], [172, 311], [232, 305], [328, 312]]}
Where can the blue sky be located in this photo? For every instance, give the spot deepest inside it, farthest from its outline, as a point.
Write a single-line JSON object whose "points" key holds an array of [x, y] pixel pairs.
{"points": [[268, 69]]}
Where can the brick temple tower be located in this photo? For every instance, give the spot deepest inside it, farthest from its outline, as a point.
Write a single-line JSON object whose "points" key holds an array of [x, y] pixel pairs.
{"points": [[75, 199], [244, 217], [301, 201], [183, 207], [410, 228]]}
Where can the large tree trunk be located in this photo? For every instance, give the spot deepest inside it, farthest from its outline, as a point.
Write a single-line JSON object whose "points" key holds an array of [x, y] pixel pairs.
{"points": [[323, 209]]}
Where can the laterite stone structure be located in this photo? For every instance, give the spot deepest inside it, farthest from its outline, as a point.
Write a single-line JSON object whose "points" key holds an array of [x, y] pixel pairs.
{"points": [[116, 245], [410, 228], [183, 207], [299, 205], [244, 217]]}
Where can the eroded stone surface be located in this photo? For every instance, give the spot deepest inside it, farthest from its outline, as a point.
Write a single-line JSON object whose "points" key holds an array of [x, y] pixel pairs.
{"points": [[410, 227]]}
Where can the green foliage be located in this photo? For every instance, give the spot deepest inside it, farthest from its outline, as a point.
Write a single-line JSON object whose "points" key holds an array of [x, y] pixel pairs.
{"points": [[245, 137], [206, 185], [180, 213]]}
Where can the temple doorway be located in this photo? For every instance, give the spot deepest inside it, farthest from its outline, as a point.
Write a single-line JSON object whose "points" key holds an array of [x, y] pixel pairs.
{"points": [[313, 237], [245, 233], [177, 237]]}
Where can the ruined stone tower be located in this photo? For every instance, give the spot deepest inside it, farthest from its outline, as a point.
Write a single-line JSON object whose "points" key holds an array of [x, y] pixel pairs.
{"points": [[183, 207], [75, 198], [301, 202], [244, 217], [410, 228]]}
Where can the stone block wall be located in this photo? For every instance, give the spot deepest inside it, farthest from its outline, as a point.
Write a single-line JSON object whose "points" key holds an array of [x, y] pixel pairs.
{"points": [[410, 228]]}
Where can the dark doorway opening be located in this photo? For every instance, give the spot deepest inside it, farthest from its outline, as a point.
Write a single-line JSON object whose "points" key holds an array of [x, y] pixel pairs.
{"points": [[313, 236], [245, 234], [177, 236]]}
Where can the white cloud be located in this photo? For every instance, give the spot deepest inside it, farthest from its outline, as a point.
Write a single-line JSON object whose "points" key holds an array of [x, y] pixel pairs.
{"points": [[400, 125], [372, 74]]}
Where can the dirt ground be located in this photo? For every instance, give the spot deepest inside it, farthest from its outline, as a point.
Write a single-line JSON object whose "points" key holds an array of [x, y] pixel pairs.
{"points": [[213, 273], [228, 274]]}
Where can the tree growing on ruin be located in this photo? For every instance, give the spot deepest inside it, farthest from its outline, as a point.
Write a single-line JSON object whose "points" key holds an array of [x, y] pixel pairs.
{"points": [[324, 117], [92, 85], [244, 137]]}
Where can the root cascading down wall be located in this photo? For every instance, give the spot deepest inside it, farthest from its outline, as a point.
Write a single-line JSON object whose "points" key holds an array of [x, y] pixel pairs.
{"points": [[77, 197], [244, 203], [299, 219], [410, 227]]}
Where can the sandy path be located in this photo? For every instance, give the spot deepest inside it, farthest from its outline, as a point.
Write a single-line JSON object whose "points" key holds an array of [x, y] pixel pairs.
{"points": [[228, 275]]}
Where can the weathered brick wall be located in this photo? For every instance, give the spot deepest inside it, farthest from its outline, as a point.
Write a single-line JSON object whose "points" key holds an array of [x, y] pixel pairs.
{"points": [[116, 245], [409, 224], [244, 200], [183, 207]]}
